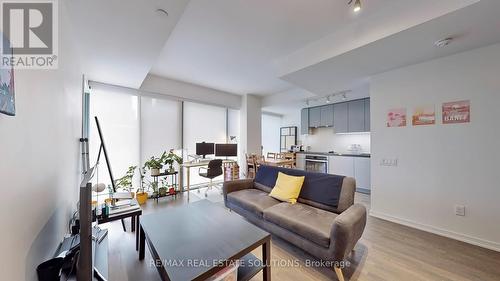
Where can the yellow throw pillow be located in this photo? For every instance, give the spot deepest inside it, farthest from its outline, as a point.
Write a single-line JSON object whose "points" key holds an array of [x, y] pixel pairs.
{"points": [[287, 188]]}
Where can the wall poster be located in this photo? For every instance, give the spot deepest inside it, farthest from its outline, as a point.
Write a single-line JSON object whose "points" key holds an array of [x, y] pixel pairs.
{"points": [[396, 117], [424, 115], [456, 112]]}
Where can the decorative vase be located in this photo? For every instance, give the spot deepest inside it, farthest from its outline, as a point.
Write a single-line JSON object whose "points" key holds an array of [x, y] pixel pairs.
{"points": [[142, 197], [155, 172]]}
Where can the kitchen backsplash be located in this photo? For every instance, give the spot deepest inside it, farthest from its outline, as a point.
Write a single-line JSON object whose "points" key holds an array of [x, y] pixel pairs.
{"points": [[324, 140]]}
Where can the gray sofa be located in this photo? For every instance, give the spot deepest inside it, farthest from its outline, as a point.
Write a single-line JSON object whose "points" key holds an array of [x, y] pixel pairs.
{"points": [[326, 232]]}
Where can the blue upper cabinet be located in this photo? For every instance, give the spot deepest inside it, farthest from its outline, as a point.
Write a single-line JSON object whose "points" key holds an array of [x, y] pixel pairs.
{"points": [[340, 118], [345, 117], [327, 115], [315, 117], [356, 117]]}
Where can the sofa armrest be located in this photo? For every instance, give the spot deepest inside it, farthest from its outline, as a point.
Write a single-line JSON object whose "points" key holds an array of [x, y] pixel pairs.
{"points": [[236, 185], [347, 230]]}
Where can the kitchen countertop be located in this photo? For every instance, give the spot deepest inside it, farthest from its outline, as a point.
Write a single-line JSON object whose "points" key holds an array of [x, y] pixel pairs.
{"points": [[366, 155]]}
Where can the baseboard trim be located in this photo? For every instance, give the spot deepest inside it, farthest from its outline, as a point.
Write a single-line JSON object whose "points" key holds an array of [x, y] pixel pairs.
{"points": [[439, 231]]}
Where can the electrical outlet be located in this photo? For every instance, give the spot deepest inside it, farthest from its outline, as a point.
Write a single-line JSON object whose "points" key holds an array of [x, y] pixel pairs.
{"points": [[460, 210]]}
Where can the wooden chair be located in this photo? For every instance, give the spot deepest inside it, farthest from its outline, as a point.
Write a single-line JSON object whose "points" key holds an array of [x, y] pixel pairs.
{"points": [[288, 155], [259, 160], [271, 155], [251, 166]]}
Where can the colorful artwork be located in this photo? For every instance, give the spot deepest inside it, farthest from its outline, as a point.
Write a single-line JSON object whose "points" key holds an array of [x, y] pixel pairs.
{"points": [[396, 117], [424, 115], [7, 97], [456, 112]]}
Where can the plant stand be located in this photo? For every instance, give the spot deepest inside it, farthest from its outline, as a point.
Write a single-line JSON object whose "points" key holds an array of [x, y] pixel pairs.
{"points": [[173, 178]]}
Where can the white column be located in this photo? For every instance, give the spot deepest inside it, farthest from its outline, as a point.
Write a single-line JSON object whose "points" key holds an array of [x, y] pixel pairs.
{"points": [[250, 127]]}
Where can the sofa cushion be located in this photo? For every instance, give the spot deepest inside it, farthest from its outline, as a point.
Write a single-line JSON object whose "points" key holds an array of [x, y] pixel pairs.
{"points": [[253, 200], [318, 187], [306, 221]]}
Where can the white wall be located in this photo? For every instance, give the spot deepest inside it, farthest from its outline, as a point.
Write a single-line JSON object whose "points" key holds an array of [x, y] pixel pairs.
{"points": [[190, 92], [39, 164], [442, 165]]}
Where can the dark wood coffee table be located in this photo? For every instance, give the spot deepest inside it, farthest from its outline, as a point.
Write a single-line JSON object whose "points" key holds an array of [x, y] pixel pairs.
{"points": [[195, 241]]}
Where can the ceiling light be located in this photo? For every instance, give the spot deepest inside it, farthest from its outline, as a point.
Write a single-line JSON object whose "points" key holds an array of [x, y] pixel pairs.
{"points": [[328, 99], [162, 12], [443, 42], [344, 97], [307, 102], [357, 6]]}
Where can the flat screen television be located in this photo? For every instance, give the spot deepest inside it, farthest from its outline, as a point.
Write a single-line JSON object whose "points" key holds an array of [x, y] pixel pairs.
{"points": [[226, 149], [204, 148]]}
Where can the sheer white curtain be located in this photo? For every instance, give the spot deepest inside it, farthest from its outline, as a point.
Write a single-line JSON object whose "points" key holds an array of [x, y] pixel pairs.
{"points": [[202, 123], [118, 115], [271, 125], [161, 121]]}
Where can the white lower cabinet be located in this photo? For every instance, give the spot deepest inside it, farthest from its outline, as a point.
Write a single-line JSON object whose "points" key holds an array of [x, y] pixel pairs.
{"points": [[341, 165], [362, 172], [355, 167]]}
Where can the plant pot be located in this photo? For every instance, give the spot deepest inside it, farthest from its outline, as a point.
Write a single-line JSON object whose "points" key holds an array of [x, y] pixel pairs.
{"points": [[142, 197], [171, 191], [163, 191], [170, 170], [155, 194], [155, 172], [132, 194]]}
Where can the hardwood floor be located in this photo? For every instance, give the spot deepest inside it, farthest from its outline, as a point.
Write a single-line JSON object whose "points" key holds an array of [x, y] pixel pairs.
{"points": [[387, 251]]}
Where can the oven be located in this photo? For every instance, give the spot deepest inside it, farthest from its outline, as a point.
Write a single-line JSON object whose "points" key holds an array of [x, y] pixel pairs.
{"points": [[317, 163]]}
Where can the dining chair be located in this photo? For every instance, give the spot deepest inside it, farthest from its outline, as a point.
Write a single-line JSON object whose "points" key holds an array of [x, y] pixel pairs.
{"points": [[271, 155], [251, 166]]}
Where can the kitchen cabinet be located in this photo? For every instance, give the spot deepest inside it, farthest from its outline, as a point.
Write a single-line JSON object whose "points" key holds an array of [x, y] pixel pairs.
{"points": [[300, 161], [326, 115], [315, 117], [358, 168], [367, 115], [356, 116], [304, 121], [340, 118], [362, 172], [341, 165]]}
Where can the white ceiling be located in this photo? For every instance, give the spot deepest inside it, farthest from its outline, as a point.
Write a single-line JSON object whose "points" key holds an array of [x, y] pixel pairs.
{"points": [[472, 27], [242, 46], [119, 40]]}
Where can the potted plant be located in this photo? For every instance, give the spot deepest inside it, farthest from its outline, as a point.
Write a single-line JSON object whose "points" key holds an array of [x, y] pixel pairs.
{"points": [[154, 164], [169, 160], [125, 183], [154, 187], [163, 189], [142, 195]]}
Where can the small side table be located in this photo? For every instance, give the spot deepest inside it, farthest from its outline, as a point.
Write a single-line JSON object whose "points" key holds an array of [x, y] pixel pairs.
{"points": [[133, 212], [173, 176]]}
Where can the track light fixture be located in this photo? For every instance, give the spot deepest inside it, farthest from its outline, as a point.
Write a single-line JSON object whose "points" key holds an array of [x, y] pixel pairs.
{"points": [[357, 5]]}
